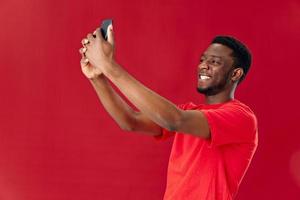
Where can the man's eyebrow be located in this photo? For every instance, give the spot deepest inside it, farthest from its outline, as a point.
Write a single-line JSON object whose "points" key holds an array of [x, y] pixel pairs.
{"points": [[215, 56]]}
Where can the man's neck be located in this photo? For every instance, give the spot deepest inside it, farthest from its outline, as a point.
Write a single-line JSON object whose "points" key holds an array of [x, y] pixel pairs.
{"points": [[221, 97], [214, 100]]}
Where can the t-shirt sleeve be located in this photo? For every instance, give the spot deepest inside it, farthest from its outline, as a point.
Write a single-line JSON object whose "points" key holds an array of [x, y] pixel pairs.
{"points": [[165, 134], [231, 124]]}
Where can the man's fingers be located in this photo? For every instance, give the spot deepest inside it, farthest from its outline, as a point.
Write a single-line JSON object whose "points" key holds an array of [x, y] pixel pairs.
{"points": [[110, 35], [84, 41], [84, 61], [90, 37], [98, 34], [82, 50], [95, 33]]}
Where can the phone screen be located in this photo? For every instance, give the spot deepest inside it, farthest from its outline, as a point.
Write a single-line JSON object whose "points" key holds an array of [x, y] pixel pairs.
{"points": [[104, 26]]}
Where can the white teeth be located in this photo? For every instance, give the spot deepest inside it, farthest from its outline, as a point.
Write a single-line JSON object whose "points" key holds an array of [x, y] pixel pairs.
{"points": [[202, 77]]}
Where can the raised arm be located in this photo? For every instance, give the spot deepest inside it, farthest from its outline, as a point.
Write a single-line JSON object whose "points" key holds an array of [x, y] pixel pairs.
{"points": [[127, 118], [156, 108]]}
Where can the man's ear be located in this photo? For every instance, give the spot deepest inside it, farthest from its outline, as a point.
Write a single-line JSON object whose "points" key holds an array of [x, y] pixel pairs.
{"points": [[237, 74]]}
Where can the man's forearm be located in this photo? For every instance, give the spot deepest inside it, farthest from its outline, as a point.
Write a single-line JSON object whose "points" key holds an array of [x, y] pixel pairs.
{"points": [[118, 109], [157, 108]]}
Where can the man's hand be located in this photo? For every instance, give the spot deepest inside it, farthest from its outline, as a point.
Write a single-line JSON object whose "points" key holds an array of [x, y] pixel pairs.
{"points": [[88, 70], [96, 53], [100, 53]]}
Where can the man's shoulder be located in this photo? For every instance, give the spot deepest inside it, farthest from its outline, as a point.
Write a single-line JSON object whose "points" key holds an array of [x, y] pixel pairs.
{"points": [[240, 105], [241, 110], [233, 104]]}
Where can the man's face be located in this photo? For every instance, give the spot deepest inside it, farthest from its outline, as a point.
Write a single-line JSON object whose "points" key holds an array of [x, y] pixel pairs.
{"points": [[214, 69]]}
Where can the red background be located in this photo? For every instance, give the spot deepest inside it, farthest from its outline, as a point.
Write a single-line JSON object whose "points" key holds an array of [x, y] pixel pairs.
{"points": [[56, 140]]}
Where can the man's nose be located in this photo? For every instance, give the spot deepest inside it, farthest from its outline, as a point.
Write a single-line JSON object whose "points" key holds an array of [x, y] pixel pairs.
{"points": [[203, 65]]}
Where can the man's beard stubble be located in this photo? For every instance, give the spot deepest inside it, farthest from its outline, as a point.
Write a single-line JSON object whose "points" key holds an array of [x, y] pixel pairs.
{"points": [[210, 91], [215, 89]]}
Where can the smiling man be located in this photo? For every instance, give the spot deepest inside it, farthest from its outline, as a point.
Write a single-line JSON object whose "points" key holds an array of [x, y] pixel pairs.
{"points": [[214, 142]]}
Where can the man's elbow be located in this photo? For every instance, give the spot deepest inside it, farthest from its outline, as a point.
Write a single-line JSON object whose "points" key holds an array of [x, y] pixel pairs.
{"points": [[205, 135], [180, 124], [126, 127], [174, 124]]}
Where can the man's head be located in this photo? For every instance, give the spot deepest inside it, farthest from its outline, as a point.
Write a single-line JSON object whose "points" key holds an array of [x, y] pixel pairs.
{"points": [[223, 65]]}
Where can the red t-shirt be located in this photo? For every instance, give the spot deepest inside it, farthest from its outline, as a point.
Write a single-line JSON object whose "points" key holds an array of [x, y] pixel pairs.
{"points": [[212, 169]]}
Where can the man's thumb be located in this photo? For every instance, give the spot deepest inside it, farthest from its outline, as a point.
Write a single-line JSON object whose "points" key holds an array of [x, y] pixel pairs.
{"points": [[110, 35]]}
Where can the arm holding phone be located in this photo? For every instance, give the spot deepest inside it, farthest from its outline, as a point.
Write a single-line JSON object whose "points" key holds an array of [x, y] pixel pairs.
{"points": [[127, 118], [158, 111]]}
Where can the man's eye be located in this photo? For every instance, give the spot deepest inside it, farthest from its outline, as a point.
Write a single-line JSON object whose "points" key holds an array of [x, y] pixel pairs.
{"points": [[216, 62]]}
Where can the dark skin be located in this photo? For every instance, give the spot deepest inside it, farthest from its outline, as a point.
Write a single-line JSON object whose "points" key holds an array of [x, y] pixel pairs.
{"points": [[155, 111], [217, 63]]}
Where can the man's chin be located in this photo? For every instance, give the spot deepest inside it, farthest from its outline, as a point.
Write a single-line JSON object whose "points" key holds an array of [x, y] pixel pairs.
{"points": [[202, 90], [207, 91]]}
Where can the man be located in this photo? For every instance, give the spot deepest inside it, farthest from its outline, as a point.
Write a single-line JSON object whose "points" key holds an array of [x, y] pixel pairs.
{"points": [[213, 142]]}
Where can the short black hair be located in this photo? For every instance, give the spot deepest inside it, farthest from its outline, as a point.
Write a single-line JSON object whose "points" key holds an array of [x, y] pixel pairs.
{"points": [[241, 54]]}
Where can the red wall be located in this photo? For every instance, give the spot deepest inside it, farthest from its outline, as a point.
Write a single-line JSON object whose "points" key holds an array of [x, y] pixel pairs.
{"points": [[58, 143]]}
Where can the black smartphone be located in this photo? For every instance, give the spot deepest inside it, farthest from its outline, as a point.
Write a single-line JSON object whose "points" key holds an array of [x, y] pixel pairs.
{"points": [[104, 26]]}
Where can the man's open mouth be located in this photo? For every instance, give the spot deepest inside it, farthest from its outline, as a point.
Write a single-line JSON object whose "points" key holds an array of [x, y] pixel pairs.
{"points": [[204, 77]]}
